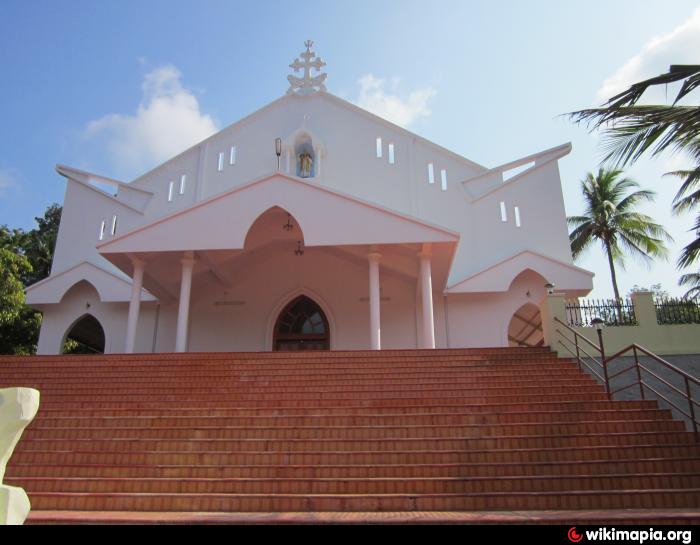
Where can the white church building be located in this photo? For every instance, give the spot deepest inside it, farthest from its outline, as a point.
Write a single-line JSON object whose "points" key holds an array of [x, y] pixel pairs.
{"points": [[310, 224]]}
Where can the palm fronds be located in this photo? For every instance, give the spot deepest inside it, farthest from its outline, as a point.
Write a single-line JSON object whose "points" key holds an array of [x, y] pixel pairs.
{"points": [[631, 130]]}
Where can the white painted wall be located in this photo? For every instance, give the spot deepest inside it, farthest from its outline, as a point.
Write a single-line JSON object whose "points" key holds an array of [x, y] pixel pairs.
{"points": [[83, 299], [345, 138], [481, 320], [242, 317]]}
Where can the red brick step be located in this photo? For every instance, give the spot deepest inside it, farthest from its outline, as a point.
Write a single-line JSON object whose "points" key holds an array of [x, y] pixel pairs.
{"points": [[442, 435]]}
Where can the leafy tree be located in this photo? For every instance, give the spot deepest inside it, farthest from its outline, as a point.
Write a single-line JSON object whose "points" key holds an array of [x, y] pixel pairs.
{"points": [[12, 268], [658, 292], [20, 337], [25, 258], [610, 218], [40, 243]]}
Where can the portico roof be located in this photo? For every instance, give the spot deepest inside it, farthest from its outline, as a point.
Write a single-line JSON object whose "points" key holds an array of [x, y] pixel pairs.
{"points": [[499, 276], [111, 287], [326, 217]]}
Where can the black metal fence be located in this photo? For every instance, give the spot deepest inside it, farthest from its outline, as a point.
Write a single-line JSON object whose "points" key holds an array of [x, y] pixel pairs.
{"points": [[677, 311], [581, 312]]}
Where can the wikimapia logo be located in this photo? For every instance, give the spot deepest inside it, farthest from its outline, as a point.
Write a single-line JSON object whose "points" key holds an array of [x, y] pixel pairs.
{"points": [[636, 536], [573, 536]]}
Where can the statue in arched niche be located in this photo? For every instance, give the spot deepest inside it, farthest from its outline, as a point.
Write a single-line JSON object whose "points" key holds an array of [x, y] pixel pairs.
{"points": [[306, 163]]}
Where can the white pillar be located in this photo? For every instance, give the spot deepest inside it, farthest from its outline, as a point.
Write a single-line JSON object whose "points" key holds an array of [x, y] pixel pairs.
{"points": [[134, 305], [318, 152], [374, 302], [426, 285], [183, 313]]}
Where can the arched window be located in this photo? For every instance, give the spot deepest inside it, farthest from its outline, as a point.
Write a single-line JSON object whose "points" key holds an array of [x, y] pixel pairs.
{"points": [[85, 336], [302, 325]]}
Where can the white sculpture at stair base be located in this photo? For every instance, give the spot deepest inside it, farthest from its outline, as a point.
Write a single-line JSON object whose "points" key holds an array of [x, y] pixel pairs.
{"points": [[18, 406]]}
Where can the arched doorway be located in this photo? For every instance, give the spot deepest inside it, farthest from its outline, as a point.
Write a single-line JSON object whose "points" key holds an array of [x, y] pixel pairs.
{"points": [[302, 325], [525, 328], [86, 336]]}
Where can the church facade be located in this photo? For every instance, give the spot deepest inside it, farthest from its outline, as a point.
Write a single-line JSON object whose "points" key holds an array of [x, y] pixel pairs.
{"points": [[310, 224]]}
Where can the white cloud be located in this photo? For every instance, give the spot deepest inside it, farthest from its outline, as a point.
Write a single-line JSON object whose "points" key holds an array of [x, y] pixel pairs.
{"points": [[680, 46], [168, 121], [9, 179], [391, 106]]}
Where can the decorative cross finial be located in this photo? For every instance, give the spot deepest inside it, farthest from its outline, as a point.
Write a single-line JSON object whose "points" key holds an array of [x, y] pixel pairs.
{"points": [[308, 84]]}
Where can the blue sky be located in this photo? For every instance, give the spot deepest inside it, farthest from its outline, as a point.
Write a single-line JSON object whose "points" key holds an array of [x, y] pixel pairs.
{"points": [[119, 86]]}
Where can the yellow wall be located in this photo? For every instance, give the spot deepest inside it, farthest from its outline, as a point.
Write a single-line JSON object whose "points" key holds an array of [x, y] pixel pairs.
{"points": [[659, 339]]}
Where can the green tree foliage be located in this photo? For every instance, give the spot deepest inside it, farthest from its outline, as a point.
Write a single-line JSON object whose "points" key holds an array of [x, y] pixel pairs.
{"points": [[610, 218], [12, 268], [658, 292], [25, 258], [39, 244]]}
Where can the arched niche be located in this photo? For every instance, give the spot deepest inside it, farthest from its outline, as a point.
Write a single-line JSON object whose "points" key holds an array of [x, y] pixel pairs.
{"points": [[83, 289], [529, 279], [296, 145], [85, 336], [305, 156], [274, 225]]}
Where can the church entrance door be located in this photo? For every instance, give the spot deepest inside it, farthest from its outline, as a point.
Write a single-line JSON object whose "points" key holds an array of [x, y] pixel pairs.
{"points": [[302, 325]]}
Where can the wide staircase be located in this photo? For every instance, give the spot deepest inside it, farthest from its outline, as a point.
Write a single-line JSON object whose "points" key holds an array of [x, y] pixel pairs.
{"points": [[491, 435]]}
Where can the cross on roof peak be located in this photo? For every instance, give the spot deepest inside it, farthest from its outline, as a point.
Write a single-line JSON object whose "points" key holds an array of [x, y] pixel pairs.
{"points": [[307, 84]]}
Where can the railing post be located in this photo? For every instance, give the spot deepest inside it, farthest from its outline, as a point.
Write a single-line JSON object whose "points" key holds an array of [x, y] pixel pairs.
{"points": [[599, 329], [639, 371], [553, 306], [692, 409], [578, 354]]}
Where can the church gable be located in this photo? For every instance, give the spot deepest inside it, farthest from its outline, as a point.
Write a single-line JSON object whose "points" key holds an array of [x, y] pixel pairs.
{"points": [[370, 157]]}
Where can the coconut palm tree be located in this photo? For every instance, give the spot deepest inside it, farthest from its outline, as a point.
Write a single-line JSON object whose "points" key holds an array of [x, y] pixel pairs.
{"points": [[631, 130], [693, 281], [610, 218]]}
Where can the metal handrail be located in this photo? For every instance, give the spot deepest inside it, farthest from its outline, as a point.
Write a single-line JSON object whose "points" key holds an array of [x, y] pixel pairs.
{"points": [[599, 364], [577, 333], [621, 372], [635, 348], [667, 400], [583, 362], [660, 360]]}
